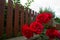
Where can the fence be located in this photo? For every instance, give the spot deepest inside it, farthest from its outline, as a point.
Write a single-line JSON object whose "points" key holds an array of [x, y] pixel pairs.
{"points": [[12, 19]]}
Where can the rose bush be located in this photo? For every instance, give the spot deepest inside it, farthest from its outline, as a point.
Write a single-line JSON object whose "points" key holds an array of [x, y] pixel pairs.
{"points": [[37, 27]]}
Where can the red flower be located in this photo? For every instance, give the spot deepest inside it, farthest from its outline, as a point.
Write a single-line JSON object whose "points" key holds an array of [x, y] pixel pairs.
{"points": [[58, 36], [44, 17], [51, 33], [26, 31], [36, 27]]}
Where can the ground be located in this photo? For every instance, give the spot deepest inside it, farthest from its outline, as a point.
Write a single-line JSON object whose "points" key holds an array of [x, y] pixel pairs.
{"points": [[17, 38], [23, 38]]}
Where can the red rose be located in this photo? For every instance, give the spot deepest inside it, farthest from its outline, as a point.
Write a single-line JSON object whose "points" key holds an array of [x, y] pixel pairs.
{"points": [[58, 36], [44, 17], [36, 27], [26, 31], [51, 33]]}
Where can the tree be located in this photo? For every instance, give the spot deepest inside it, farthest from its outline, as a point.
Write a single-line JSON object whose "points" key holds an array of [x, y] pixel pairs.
{"points": [[28, 3], [16, 1]]}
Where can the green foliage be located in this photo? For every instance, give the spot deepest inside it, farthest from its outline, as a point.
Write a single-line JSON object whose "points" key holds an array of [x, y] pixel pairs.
{"points": [[28, 3], [16, 1], [43, 35], [57, 20], [47, 10], [40, 10]]}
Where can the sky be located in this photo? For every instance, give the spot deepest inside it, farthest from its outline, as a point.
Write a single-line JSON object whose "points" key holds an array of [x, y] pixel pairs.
{"points": [[53, 4]]}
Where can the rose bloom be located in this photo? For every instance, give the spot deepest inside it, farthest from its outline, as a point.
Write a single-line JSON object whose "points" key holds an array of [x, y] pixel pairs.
{"points": [[58, 36], [52, 33], [36, 27], [44, 17], [26, 31]]}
